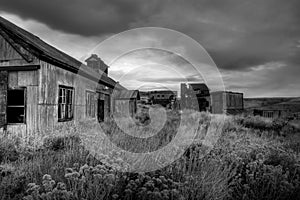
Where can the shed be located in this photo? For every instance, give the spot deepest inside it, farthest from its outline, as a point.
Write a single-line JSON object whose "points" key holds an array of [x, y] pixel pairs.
{"points": [[227, 102], [125, 102], [42, 87], [162, 97], [288, 109]]}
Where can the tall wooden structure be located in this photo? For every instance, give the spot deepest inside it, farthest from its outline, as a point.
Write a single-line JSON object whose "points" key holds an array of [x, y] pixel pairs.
{"points": [[194, 96]]}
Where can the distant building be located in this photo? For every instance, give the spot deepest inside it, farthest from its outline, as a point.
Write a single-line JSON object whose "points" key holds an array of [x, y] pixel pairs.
{"points": [[227, 102], [194, 96], [162, 97], [288, 109], [144, 98], [125, 102], [270, 112]]}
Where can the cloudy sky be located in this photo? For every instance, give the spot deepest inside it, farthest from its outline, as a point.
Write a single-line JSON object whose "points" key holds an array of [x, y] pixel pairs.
{"points": [[255, 43]]}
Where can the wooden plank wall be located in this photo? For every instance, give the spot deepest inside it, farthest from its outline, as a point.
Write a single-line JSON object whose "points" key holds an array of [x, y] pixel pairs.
{"points": [[29, 80], [10, 57], [3, 99], [50, 78], [42, 91]]}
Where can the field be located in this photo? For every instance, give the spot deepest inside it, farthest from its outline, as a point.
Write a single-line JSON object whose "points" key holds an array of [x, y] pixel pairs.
{"points": [[245, 158], [261, 102]]}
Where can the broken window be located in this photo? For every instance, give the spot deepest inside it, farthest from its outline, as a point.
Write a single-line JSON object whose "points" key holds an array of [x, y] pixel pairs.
{"points": [[90, 104], [65, 103], [16, 105]]}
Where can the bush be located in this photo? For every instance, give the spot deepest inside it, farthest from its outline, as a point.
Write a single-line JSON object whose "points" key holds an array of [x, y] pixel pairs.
{"points": [[8, 150], [241, 163], [13, 185], [256, 180], [61, 142]]}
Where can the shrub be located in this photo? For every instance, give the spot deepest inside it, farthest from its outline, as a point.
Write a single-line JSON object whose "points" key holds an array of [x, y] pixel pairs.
{"points": [[13, 185], [61, 142], [240, 163], [8, 149], [257, 180]]}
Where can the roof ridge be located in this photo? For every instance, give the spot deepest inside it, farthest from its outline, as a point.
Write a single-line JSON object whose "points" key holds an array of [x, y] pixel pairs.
{"points": [[44, 51]]}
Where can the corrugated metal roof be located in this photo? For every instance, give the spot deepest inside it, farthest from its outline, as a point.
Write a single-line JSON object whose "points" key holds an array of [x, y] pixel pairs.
{"points": [[48, 53]]}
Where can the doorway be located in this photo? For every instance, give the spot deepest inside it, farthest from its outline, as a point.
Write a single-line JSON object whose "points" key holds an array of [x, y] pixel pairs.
{"points": [[100, 113]]}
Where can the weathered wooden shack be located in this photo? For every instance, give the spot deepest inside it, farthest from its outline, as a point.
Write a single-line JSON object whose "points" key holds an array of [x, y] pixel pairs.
{"points": [[226, 102], [125, 102], [162, 97], [41, 87], [288, 109], [194, 96]]}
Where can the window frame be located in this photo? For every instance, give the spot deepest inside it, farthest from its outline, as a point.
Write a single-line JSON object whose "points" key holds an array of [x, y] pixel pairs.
{"points": [[92, 106], [15, 106], [67, 108]]}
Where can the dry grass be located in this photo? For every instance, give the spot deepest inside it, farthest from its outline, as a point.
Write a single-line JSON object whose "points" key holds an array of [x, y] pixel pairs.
{"points": [[218, 158]]}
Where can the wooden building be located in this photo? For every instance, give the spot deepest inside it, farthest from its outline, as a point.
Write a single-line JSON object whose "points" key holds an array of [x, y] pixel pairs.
{"points": [[270, 112], [226, 102], [41, 87], [288, 109], [162, 97], [194, 96], [125, 102]]}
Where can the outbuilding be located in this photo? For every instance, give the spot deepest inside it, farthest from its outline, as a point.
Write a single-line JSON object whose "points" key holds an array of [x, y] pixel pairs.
{"points": [[226, 102], [125, 102]]}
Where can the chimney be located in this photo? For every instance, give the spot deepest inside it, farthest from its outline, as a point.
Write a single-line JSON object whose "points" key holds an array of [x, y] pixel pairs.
{"points": [[97, 64]]}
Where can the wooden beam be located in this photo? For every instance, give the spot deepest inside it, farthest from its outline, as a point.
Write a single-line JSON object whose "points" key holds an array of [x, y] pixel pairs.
{"points": [[20, 68]]}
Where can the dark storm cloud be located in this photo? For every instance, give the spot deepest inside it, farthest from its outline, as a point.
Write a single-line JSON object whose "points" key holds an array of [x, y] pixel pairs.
{"points": [[237, 34], [88, 17]]}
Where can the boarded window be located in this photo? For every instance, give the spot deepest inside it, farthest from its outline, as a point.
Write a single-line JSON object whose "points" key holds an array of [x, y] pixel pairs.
{"points": [[16, 105], [65, 103], [90, 104]]}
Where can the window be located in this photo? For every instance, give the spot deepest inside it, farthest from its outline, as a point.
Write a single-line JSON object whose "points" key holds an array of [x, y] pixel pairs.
{"points": [[268, 114], [65, 103], [90, 104], [16, 105]]}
